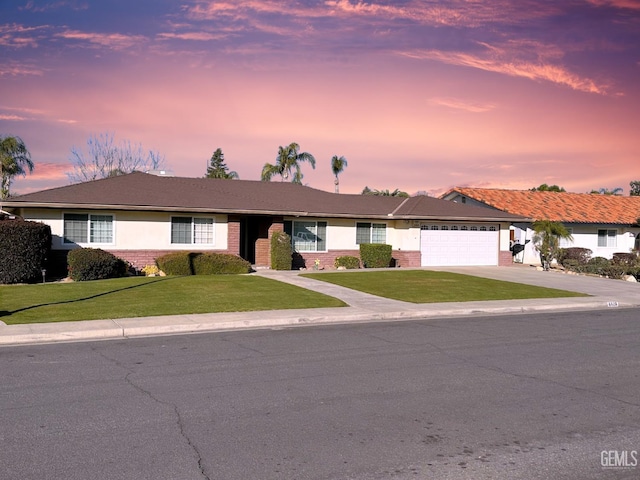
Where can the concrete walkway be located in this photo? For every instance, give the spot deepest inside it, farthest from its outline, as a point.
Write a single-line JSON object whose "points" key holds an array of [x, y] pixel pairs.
{"points": [[362, 308]]}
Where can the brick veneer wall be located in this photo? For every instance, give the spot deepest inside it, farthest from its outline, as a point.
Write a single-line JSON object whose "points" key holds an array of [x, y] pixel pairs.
{"points": [[233, 235], [327, 259], [263, 245], [505, 259]]}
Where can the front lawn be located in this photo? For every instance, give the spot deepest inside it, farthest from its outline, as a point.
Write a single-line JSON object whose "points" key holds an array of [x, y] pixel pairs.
{"points": [[425, 286], [151, 296]]}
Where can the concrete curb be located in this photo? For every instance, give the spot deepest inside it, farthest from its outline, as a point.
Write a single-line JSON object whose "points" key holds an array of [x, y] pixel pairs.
{"points": [[94, 330]]}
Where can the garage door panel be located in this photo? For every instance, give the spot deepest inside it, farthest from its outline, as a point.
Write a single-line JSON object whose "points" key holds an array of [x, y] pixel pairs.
{"points": [[456, 247]]}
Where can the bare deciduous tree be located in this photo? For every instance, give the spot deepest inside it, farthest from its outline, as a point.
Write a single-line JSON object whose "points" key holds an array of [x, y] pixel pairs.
{"points": [[106, 159]]}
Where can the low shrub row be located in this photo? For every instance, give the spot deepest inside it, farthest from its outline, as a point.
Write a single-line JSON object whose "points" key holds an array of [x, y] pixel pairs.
{"points": [[580, 260], [199, 263], [347, 261]]}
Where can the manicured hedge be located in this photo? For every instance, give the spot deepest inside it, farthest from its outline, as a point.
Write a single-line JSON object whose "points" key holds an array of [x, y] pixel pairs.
{"points": [[375, 255], [176, 263], [347, 261], [220, 264], [281, 253], [94, 264], [199, 263], [24, 248]]}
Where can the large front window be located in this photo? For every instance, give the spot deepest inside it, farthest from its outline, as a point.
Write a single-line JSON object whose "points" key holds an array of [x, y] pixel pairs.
{"points": [[371, 233], [307, 236], [192, 230], [85, 228]]}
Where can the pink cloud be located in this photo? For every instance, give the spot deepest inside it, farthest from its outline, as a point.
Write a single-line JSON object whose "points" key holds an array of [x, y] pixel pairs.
{"points": [[19, 36], [627, 4], [513, 67], [50, 171], [117, 41], [14, 69], [455, 103], [197, 36]]}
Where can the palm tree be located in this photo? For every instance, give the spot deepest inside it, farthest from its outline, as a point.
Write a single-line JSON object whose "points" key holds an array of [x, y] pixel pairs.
{"points": [[384, 193], [337, 166], [15, 159], [546, 239], [288, 160], [606, 191]]}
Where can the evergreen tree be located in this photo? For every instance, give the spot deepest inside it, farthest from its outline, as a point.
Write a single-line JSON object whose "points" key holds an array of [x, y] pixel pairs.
{"points": [[217, 167]]}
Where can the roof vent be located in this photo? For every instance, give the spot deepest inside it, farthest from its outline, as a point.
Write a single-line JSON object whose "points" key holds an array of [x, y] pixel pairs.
{"points": [[161, 173]]}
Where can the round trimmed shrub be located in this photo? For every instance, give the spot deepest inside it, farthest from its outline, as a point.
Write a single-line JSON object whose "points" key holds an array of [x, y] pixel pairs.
{"points": [[219, 264], [24, 248], [94, 264], [347, 261], [176, 263]]}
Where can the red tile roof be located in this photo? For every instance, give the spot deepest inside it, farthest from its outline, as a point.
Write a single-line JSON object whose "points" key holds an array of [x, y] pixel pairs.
{"points": [[557, 206], [141, 191]]}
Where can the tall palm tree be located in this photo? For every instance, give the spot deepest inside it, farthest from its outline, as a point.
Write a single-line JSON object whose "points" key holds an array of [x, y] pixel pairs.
{"points": [[546, 238], [337, 166], [15, 159], [288, 161]]}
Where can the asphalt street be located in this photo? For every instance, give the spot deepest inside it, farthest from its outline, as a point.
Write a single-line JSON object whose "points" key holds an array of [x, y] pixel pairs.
{"points": [[535, 396]]}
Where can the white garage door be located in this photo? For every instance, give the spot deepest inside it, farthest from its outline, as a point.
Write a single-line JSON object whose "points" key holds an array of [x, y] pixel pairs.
{"points": [[459, 244]]}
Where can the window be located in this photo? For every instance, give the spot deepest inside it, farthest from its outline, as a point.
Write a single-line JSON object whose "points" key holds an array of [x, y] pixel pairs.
{"points": [[307, 236], [371, 233], [85, 228], [607, 238], [192, 230]]}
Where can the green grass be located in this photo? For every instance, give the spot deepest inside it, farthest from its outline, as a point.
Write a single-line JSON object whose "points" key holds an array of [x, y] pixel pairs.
{"points": [[424, 286], [143, 296]]}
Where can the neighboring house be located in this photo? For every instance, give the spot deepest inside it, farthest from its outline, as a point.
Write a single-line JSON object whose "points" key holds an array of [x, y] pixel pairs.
{"points": [[605, 224], [140, 216]]}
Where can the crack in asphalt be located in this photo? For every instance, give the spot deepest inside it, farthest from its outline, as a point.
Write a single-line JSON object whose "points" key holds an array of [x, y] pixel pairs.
{"points": [[179, 421], [173, 406]]}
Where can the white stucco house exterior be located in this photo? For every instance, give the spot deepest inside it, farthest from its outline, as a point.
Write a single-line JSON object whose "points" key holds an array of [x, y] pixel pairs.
{"points": [[140, 216], [605, 224]]}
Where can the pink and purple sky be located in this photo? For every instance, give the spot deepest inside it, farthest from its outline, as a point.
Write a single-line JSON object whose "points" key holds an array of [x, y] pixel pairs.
{"points": [[417, 95]]}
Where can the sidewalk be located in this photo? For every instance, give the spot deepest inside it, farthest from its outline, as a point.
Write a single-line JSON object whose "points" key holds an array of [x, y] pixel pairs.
{"points": [[362, 308]]}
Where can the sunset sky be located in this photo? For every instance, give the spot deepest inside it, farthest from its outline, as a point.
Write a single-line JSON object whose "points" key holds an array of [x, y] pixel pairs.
{"points": [[417, 95]]}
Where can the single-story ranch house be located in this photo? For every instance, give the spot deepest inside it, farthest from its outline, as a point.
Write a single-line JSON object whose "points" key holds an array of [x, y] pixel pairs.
{"points": [[605, 224], [140, 216]]}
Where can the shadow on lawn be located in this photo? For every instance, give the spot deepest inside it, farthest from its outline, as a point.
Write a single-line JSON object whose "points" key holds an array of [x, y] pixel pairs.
{"points": [[5, 313]]}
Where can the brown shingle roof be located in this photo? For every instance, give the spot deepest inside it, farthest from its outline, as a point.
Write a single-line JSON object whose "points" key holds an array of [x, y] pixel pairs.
{"points": [[558, 206], [141, 191]]}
